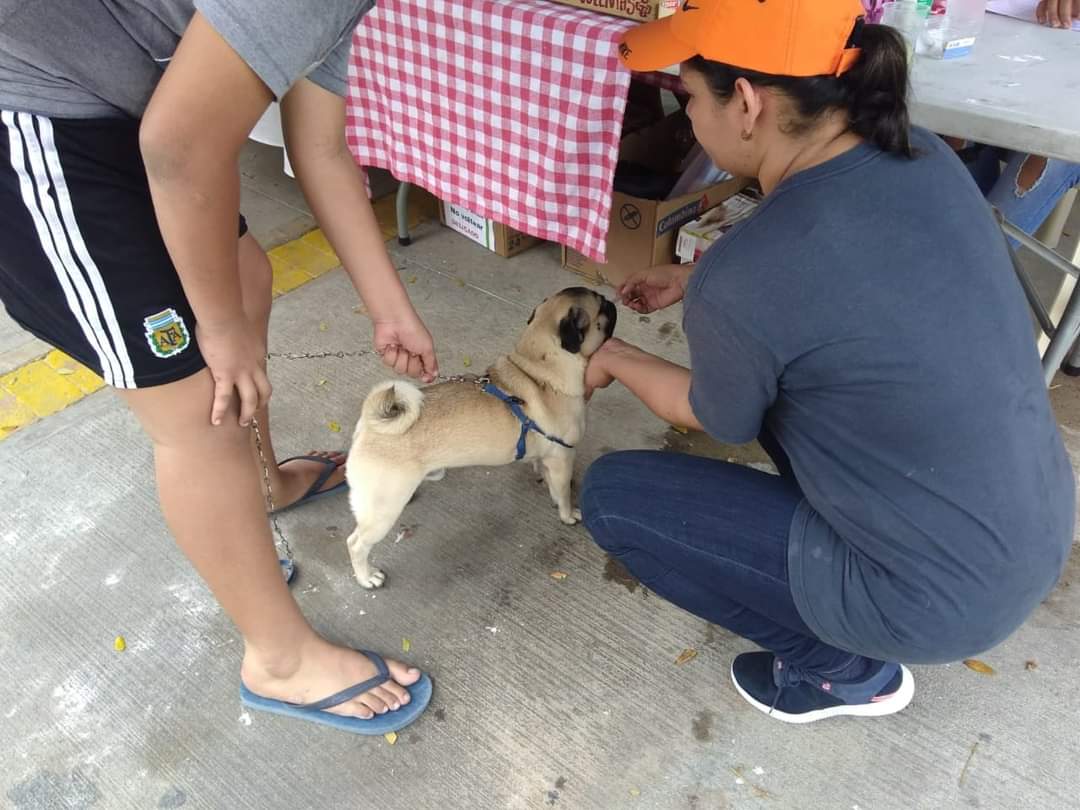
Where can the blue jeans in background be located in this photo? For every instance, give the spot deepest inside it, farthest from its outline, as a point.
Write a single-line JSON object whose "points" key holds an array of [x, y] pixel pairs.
{"points": [[712, 538], [1028, 208]]}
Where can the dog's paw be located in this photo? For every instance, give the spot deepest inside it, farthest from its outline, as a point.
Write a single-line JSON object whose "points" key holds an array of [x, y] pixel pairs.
{"points": [[571, 519], [374, 579]]}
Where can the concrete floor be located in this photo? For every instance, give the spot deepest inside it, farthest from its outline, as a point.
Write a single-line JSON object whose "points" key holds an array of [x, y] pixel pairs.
{"points": [[548, 693]]}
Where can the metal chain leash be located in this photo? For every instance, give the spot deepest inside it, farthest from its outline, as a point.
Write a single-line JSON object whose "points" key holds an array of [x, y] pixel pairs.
{"points": [[440, 378], [281, 541]]}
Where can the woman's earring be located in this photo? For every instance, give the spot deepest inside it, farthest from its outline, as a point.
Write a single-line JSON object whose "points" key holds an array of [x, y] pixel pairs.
{"points": [[748, 135]]}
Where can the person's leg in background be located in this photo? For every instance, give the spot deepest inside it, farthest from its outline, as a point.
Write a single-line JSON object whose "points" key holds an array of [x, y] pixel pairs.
{"points": [[1029, 187], [984, 162], [712, 538], [1026, 193]]}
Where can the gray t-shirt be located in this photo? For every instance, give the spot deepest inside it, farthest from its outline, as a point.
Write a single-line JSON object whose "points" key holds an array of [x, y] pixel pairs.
{"points": [[869, 317], [103, 58]]}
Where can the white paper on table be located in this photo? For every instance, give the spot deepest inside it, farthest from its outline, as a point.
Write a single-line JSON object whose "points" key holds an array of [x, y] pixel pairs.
{"points": [[1020, 9]]}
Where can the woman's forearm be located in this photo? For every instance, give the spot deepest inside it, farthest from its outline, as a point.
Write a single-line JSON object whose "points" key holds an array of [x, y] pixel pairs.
{"points": [[663, 387]]}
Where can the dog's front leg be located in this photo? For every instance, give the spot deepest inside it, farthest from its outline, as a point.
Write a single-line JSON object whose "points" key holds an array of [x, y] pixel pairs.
{"points": [[559, 470]]}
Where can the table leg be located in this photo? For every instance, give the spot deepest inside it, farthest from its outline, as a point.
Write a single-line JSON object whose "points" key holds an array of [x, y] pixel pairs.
{"points": [[1072, 361], [1064, 338], [1064, 334], [1050, 235], [403, 215]]}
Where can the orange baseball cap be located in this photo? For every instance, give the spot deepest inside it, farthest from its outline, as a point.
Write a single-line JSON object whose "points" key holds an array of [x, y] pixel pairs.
{"points": [[779, 37]]}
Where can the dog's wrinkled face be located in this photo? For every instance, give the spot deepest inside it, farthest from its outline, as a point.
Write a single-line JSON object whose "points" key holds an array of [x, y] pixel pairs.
{"points": [[579, 319]]}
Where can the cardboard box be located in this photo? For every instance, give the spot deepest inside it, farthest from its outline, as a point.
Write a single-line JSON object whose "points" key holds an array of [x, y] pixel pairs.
{"points": [[642, 232], [501, 239], [698, 236], [632, 9]]}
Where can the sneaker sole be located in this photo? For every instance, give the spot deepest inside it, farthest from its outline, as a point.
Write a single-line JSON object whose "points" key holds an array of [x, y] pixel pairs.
{"points": [[898, 702]]}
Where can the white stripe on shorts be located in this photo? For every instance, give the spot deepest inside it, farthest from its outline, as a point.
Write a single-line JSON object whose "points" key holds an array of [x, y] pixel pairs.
{"points": [[46, 236], [52, 158]]}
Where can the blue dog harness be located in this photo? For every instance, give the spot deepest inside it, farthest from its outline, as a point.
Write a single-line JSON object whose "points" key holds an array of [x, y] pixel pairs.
{"points": [[527, 424]]}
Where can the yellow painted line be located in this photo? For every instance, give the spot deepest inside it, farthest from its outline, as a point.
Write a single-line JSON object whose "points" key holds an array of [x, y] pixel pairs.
{"points": [[51, 383]]}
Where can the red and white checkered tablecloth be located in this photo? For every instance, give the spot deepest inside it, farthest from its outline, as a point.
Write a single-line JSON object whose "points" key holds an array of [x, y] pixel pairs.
{"points": [[511, 108]]}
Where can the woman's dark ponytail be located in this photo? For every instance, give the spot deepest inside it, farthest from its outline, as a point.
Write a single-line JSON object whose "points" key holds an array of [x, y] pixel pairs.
{"points": [[873, 91], [876, 91]]}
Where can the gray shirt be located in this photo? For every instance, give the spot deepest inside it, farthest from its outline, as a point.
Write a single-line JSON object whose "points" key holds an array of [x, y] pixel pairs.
{"points": [[868, 316], [103, 58]]}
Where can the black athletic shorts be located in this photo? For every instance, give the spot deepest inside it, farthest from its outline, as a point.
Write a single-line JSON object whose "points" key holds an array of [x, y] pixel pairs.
{"points": [[82, 262]]}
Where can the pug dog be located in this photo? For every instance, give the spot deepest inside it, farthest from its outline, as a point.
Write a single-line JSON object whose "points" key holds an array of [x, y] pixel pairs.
{"points": [[529, 406]]}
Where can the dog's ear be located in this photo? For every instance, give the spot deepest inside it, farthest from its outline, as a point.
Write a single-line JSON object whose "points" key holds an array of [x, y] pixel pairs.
{"points": [[572, 329]]}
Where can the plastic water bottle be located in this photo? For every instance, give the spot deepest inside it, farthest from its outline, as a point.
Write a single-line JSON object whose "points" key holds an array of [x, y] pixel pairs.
{"points": [[905, 17], [952, 35]]}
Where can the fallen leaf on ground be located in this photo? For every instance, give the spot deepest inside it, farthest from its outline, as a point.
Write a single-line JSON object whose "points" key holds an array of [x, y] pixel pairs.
{"points": [[119, 644], [391, 737], [412, 279], [321, 383], [686, 655], [559, 575], [635, 792], [334, 427], [680, 429], [360, 310], [978, 666], [1031, 666], [466, 361], [406, 645], [460, 282], [323, 326]]}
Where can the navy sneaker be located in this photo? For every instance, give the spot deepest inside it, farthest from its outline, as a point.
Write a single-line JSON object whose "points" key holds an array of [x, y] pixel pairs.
{"points": [[794, 696]]}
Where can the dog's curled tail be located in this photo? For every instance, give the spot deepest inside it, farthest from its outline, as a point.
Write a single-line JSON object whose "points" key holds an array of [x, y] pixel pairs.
{"points": [[391, 408]]}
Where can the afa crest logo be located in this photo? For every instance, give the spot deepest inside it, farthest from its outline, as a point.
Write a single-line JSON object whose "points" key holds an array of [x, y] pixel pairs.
{"points": [[166, 333]]}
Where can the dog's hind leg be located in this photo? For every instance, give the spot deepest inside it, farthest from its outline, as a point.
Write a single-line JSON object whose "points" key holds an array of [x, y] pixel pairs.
{"points": [[376, 507], [559, 470]]}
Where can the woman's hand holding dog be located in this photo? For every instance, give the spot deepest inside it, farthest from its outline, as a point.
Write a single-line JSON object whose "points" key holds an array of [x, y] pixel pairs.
{"points": [[598, 373]]}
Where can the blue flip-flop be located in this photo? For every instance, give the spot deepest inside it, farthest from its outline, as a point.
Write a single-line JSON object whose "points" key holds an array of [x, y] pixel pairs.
{"points": [[288, 569], [313, 493], [420, 693]]}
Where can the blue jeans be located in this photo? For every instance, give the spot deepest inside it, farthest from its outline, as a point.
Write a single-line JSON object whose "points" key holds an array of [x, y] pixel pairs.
{"points": [[1024, 208], [712, 538]]}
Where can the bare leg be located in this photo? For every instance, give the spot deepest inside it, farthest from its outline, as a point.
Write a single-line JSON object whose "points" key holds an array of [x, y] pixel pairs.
{"points": [[289, 481], [210, 495], [559, 470]]}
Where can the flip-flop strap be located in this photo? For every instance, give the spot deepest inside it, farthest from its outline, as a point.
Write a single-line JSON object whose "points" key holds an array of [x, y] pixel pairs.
{"points": [[352, 691], [324, 476]]}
